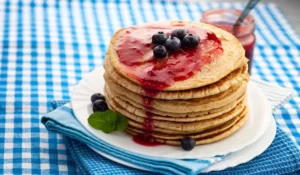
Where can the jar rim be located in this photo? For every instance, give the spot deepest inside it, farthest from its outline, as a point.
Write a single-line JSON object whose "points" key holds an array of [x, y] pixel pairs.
{"points": [[249, 19], [225, 19]]}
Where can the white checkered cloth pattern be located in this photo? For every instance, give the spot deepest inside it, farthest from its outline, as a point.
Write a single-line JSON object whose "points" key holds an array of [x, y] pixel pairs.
{"points": [[46, 47]]}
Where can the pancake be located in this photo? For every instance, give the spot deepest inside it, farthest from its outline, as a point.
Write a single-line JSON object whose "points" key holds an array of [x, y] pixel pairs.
{"points": [[182, 106], [177, 115], [176, 136], [141, 127], [112, 77], [180, 126], [184, 118], [231, 59], [204, 140]]}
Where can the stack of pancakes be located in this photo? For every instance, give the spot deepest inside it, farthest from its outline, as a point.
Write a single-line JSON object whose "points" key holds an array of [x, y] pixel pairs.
{"points": [[209, 106]]}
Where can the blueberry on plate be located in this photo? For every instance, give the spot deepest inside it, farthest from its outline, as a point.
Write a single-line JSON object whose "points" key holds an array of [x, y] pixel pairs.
{"points": [[160, 52], [159, 38], [173, 44], [179, 33], [97, 96], [188, 143], [100, 106], [190, 41]]}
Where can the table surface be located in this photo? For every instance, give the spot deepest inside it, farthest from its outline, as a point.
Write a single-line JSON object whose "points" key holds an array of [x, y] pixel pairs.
{"points": [[47, 46]]}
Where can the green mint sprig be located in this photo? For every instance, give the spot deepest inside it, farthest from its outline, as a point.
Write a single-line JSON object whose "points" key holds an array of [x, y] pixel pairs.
{"points": [[108, 121]]}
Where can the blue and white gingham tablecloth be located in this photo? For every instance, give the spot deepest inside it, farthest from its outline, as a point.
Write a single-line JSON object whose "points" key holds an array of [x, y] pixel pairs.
{"points": [[46, 47]]}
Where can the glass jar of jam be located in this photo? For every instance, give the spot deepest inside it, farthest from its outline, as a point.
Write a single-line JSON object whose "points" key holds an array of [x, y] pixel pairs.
{"points": [[225, 19]]}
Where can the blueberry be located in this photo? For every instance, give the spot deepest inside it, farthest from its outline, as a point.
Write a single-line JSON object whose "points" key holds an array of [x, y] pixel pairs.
{"points": [[160, 52], [190, 41], [173, 44], [188, 143], [100, 106], [159, 38], [97, 96], [179, 33]]}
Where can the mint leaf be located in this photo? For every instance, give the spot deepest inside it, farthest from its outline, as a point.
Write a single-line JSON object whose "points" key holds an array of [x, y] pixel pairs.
{"points": [[108, 121], [105, 121], [121, 123], [96, 120], [109, 127]]}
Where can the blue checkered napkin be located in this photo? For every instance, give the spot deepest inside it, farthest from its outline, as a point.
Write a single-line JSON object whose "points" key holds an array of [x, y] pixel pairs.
{"points": [[90, 162], [282, 157], [63, 121]]}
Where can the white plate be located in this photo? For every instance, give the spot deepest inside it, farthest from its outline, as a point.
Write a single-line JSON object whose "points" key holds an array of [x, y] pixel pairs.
{"points": [[244, 155], [259, 119]]}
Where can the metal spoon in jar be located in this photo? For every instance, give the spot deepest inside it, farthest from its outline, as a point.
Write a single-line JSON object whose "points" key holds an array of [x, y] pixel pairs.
{"points": [[251, 4]]}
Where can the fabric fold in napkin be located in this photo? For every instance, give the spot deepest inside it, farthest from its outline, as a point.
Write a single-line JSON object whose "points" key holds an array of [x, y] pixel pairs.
{"points": [[281, 157]]}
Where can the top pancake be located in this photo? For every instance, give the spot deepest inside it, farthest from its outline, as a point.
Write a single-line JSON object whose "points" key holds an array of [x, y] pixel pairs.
{"points": [[231, 59]]}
